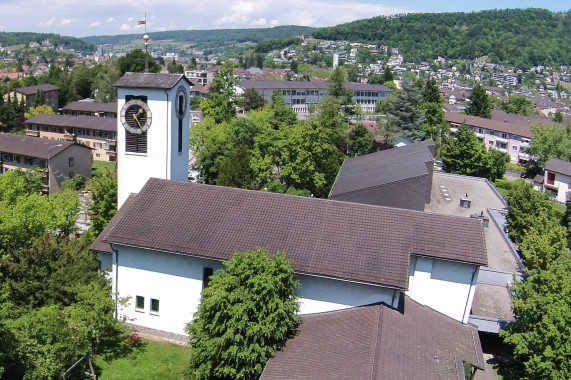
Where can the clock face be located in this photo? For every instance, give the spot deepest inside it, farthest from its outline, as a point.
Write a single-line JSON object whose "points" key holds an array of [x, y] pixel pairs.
{"points": [[181, 101], [136, 116]]}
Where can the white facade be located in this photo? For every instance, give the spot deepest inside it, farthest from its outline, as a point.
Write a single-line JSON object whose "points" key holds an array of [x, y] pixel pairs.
{"points": [[163, 158], [176, 281], [445, 286], [557, 185]]}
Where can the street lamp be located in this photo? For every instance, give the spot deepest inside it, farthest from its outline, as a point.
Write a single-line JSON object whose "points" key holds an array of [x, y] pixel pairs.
{"points": [[50, 172]]}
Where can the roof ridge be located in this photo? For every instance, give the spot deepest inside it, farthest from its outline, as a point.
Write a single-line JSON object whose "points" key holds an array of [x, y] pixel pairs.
{"points": [[376, 351]]}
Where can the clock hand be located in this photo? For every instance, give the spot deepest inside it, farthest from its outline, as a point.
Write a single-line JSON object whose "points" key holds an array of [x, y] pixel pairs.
{"points": [[137, 119]]}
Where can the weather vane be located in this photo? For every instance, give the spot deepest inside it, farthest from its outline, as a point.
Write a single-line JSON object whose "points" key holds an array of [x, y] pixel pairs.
{"points": [[146, 39]]}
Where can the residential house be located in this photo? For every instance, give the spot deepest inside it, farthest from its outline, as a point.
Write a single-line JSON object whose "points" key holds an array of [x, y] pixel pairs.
{"points": [[98, 133], [507, 137], [60, 160], [167, 239], [29, 93], [90, 108], [557, 179], [377, 342], [300, 94], [399, 177]]}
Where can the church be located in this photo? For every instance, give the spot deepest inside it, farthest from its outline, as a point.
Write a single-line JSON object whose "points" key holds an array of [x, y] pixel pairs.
{"points": [[169, 236]]}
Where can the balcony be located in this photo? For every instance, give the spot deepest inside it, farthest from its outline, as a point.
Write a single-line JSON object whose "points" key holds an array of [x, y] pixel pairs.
{"points": [[30, 132]]}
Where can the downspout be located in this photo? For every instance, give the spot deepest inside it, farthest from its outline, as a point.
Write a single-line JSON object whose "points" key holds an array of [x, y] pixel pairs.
{"points": [[167, 142], [116, 252]]}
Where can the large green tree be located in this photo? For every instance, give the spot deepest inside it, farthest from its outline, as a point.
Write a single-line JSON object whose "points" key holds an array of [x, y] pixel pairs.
{"points": [[480, 104], [549, 141], [246, 313], [409, 118], [134, 62], [465, 154], [540, 334], [104, 195], [525, 206], [518, 104], [543, 242], [222, 99]]}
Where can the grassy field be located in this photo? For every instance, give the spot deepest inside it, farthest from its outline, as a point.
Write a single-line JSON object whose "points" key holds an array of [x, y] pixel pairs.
{"points": [[151, 360], [100, 167]]}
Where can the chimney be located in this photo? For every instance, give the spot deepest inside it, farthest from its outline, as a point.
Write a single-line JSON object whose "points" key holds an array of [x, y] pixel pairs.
{"points": [[465, 202]]}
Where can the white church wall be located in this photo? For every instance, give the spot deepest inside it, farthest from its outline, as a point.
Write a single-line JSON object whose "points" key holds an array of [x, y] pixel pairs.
{"points": [[319, 294], [445, 286], [176, 282]]}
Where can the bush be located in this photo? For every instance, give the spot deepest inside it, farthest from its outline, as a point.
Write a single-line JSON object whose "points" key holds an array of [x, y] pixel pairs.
{"points": [[503, 184]]}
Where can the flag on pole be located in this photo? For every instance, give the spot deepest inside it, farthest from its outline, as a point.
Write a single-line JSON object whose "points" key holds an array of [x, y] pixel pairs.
{"points": [[143, 22]]}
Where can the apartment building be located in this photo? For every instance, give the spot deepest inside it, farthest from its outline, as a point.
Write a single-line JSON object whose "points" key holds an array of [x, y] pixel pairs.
{"points": [[90, 108], [507, 137], [98, 133], [59, 160], [29, 93], [300, 94]]}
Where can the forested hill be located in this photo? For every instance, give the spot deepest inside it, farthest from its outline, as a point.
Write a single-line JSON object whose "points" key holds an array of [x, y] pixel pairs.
{"points": [[17, 38], [210, 38], [522, 37]]}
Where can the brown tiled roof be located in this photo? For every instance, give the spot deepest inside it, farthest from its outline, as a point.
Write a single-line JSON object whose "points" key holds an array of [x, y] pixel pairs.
{"points": [[559, 166], [480, 122], [31, 146], [379, 168], [31, 90], [528, 120], [342, 240], [379, 343], [150, 80], [85, 106], [311, 85], [86, 122]]}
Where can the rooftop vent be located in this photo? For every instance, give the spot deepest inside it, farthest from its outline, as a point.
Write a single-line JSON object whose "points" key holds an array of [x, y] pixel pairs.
{"points": [[465, 202]]}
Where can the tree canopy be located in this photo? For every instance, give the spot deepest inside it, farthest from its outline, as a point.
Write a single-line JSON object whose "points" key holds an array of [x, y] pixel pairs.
{"points": [[134, 62], [408, 117], [480, 104], [246, 313], [540, 334], [549, 141]]}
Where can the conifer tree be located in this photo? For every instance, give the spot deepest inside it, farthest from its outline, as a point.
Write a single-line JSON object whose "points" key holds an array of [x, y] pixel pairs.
{"points": [[480, 104]]}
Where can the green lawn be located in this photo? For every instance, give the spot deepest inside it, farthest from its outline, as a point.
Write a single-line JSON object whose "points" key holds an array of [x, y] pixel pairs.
{"points": [[100, 167], [152, 360]]}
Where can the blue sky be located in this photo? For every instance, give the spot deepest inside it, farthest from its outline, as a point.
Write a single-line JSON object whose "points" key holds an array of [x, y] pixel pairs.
{"points": [[81, 18]]}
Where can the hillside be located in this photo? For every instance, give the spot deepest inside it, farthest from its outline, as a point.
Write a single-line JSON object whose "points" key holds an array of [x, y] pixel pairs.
{"points": [[17, 38], [209, 38], [521, 37]]}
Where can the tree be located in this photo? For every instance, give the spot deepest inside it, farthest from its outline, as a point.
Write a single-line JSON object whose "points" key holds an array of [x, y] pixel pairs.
{"points": [[558, 118], [222, 100], [518, 104], [337, 86], [388, 75], [479, 103], [408, 117], [549, 141], [435, 126], [360, 141], [134, 62], [525, 205], [235, 169], [246, 313], [104, 196], [498, 164], [210, 142], [540, 334], [375, 79], [41, 109], [465, 154], [175, 68], [252, 100], [40, 98], [543, 243], [431, 93]]}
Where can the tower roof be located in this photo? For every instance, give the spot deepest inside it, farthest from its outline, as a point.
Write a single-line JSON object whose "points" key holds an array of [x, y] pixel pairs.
{"points": [[150, 80]]}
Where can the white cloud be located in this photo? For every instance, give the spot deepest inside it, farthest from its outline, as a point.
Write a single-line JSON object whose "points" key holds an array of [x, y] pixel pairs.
{"points": [[110, 19], [50, 22], [68, 22], [95, 24], [125, 27]]}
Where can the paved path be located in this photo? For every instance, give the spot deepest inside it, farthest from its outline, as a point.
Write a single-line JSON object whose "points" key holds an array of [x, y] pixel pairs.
{"points": [[489, 373]]}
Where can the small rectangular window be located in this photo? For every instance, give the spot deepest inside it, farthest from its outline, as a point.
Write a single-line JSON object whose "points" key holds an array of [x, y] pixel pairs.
{"points": [[15, 158], [140, 303], [70, 161], [154, 305], [71, 174], [5, 157], [206, 274]]}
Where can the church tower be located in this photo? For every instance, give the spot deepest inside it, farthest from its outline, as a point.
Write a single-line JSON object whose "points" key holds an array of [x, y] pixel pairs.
{"points": [[152, 130]]}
